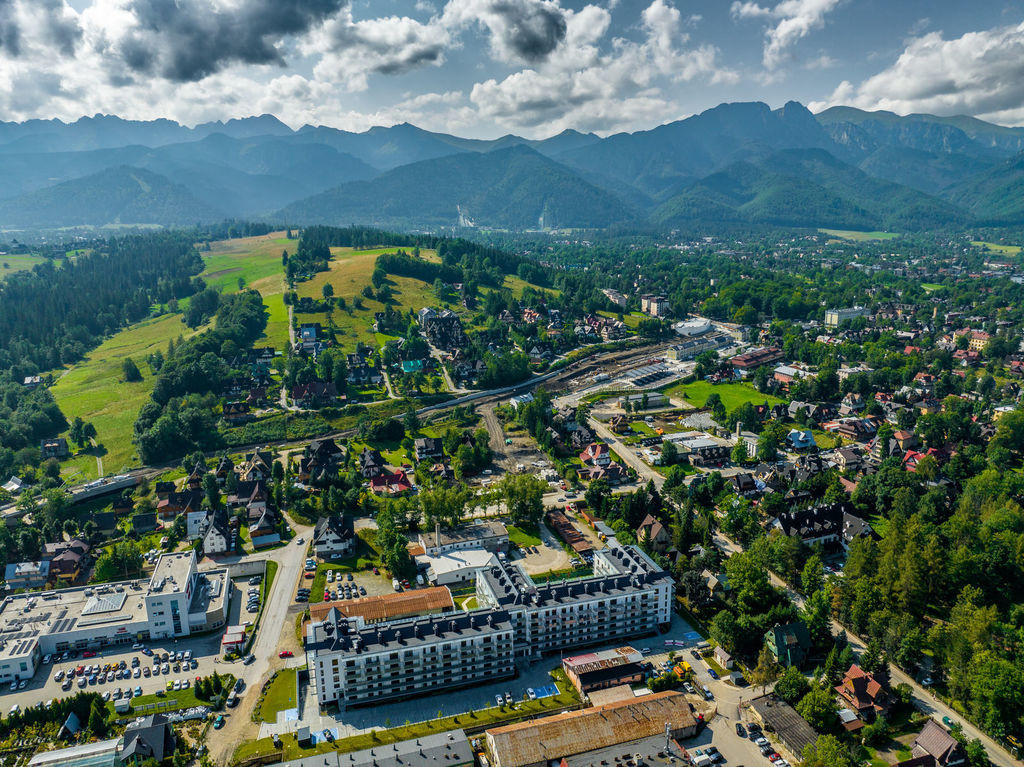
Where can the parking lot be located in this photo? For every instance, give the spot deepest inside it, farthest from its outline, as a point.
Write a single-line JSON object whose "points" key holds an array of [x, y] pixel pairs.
{"points": [[44, 686]]}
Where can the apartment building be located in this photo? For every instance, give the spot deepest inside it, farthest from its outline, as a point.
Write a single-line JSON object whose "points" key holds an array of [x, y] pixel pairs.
{"points": [[628, 595], [405, 658]]}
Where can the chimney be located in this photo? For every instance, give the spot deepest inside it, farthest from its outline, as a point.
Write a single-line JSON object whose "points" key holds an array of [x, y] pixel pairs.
{"points": [[739, 428], [437, 535]]}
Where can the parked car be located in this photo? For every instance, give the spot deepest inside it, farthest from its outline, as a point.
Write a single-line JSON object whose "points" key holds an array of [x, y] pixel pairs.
{"points": [[740, 731], [713, 673], [218, 722], [499, 700], [531, 693], [285, 654]]}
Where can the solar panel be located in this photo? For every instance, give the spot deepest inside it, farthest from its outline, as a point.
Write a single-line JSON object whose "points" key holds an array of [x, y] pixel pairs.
{"points": [[104, 604]]}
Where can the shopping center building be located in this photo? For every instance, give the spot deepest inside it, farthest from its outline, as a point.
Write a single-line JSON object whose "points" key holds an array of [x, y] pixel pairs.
{"points": [[175, 602]]}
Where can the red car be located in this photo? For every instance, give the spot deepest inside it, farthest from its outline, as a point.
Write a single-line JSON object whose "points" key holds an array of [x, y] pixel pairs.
{"points": [[285, 654], [89, 654]]}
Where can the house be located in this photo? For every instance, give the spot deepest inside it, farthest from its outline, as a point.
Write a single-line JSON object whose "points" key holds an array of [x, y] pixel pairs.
{"points": [[225, 467], [832, 525], [248, 493], [27, 575], [391, 484], [724, 659], [718, 584], [906, 439], [145, 522], [744, 484], [334, 537], [314, 394], [935, 747], [263, 532], [852, 404], [521, 399], [325, 450], [256, 466], [428, 449], [66, 558], [848, 459], [655, 534], [863, 694], [790, 644], [151, 737], [596, 454], [54, 448], [800, 439], [214, 533], [371, 464], [14, 485]]}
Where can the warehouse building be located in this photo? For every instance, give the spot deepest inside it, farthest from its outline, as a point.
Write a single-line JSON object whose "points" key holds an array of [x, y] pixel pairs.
{"points": [[175, 602], [601, 670], [548, 740]]}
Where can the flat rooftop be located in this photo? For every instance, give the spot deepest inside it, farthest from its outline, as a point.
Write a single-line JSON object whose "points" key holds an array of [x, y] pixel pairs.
{"points": [[444, 748], [466, 534], [171, 572], [26, 617]]}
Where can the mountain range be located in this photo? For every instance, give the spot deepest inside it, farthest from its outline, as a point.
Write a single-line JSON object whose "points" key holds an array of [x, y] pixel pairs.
{"points": [[741, 163]]}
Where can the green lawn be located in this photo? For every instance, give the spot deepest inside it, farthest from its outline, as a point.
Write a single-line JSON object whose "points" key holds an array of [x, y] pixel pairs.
{"points": [[172, 700], [13, 263], [93, 390], [995, 247], [280, 696], [849, 234], [732, 394], [930, 286], [486, 717], [523, 538]]}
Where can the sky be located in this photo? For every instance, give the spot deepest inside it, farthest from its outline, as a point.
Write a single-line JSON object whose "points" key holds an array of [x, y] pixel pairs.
{"points": [[484, 68]]}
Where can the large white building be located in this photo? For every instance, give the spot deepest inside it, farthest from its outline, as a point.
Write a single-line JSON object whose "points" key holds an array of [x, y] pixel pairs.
{"points": [[628, 595], [836, 317], [175, 602]]}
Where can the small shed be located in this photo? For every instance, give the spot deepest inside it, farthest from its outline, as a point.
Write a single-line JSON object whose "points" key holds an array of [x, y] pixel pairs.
{"points": [[303, 738], [724, 659]]}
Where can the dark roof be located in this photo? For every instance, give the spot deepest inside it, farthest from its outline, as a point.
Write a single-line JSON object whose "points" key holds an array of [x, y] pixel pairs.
{"points": [[339, 524], [152, 737], [777, 715], [935, 741], [609, 674]]}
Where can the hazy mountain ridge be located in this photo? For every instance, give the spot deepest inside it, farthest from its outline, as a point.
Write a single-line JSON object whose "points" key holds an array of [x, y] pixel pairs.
{"points": [[717, 165]]}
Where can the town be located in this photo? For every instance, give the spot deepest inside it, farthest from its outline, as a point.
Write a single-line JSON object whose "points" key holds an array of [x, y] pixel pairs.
{"points": [[587, 519]]}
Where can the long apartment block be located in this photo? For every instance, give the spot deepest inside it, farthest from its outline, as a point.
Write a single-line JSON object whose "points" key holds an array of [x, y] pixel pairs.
{"points": [[353, 662]]}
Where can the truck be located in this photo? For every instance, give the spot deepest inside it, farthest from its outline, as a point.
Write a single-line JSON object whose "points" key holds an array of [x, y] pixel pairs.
{"points": [[232, 700]]}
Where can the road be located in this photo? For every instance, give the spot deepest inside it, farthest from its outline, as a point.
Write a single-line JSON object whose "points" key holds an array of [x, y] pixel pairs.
{"points": [[924, 700], [276, 629], [643, 470]]}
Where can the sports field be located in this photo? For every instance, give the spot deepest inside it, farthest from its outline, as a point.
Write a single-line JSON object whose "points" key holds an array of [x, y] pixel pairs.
{"points": [[732, 394]]}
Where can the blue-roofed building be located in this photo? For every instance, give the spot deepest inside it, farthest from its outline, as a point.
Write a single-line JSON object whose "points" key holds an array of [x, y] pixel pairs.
{"points": [[27, 575]]}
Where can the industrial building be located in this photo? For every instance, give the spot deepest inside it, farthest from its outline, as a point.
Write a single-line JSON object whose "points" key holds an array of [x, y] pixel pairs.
{"points": [[548, 740], [175, 602], [351, 662], [601, 670]]}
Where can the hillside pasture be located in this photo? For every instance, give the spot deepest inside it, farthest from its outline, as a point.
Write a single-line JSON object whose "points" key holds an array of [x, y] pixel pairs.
{"points": [[854, 236], [13, 263], [93, 390], [995, 247]]}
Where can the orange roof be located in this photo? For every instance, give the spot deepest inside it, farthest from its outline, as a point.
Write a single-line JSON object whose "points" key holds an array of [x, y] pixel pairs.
{"points": [[386, 607]]}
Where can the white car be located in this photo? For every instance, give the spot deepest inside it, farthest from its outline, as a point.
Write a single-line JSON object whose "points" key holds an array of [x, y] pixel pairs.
{"points": [[531, 694], [177, 685], [58, 676], [299, 541]]}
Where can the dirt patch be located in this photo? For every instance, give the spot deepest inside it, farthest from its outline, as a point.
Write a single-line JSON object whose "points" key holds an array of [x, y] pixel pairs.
{"points": [[547, 557]]}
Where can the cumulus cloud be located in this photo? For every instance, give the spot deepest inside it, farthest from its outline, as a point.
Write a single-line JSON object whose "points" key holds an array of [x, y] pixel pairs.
{"points": [[789, 21], [520, 30], [583, 87], [351, 49], [187, 40], [979, 73]]}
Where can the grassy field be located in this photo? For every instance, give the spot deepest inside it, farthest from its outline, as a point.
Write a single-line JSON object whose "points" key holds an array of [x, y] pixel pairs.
{"points": [[257, 262], [849, 234], [995, 247], [172, 700], [733, 394], [280, 696], [13, 263], [93, 390]]}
